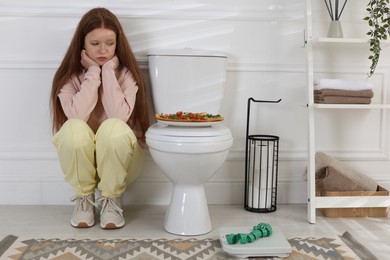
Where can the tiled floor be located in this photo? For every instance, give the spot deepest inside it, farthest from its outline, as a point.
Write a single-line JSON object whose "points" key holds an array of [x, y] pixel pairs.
{"points": [[146, 222]]}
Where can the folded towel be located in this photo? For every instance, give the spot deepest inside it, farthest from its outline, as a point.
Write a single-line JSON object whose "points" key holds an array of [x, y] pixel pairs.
{"points": [[341, 84], [342, 100], [344, 93], [330, 179], [333, 175]]}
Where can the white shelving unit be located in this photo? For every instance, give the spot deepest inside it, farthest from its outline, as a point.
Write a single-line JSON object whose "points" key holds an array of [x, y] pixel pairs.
{"points": [[315, 202]]}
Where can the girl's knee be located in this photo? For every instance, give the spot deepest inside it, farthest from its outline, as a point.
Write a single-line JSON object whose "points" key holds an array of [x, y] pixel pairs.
{"points": [[74, 133], [75, 124], [112, 125], [115, 131]]}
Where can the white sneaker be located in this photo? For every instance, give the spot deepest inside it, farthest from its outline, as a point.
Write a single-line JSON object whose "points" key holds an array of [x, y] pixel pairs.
{"points": [[111, 214], [84, 212]]}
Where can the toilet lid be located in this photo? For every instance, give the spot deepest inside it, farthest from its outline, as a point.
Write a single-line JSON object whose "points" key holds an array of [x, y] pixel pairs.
{"points": [[163, 132]]}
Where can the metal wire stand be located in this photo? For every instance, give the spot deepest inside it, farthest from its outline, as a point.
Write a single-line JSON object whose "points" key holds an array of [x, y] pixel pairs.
{"points": [[261, 168]]}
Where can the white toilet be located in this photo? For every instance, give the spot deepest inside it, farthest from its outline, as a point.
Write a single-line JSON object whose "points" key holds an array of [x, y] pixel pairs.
{"points": [[188, 153]]}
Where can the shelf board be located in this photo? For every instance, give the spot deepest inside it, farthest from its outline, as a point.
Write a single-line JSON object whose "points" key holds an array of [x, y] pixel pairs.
{"points": [[341, 40], [345, 40], [352, 201], [351, 106]]}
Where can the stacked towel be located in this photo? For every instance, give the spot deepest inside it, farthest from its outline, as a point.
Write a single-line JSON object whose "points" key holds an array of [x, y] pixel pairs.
{"points": [[337, 91], [334, 96]]}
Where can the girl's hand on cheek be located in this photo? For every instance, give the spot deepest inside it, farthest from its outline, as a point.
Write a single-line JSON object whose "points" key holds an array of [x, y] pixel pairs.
{"points": [[86, 61], [113, 63]]}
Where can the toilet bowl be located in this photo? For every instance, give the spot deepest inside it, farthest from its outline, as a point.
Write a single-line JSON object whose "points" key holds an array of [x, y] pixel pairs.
{"points": [[189, 157], [188, 153]]}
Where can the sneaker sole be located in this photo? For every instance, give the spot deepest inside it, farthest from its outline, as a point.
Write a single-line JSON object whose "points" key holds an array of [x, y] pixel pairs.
{"points": [[112, 226], [82, 225]]}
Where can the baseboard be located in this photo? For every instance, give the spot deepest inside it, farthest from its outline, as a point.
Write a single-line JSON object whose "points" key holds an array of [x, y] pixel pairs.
{"points": [[57, 192], [42, 183]]}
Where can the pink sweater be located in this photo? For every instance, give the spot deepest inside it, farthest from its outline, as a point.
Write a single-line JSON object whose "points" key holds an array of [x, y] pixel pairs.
{"points": [[98, 94]]}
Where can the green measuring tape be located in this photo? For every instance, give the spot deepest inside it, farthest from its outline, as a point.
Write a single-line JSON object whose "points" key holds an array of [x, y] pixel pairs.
{"points": [[261, 230]]}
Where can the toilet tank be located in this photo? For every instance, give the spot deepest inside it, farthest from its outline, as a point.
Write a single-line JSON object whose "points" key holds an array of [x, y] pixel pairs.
{"points": [[187, 80]]}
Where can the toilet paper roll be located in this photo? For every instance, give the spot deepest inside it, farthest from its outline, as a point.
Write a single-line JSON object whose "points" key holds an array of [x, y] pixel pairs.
{"points": [[259, 191], [261, 174]]}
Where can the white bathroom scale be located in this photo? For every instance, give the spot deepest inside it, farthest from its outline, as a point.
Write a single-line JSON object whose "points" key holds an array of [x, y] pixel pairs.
{"points": [[274, 245]]}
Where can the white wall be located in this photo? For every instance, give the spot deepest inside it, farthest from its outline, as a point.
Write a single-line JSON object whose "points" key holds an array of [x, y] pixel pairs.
{"points": [[264, 43]]}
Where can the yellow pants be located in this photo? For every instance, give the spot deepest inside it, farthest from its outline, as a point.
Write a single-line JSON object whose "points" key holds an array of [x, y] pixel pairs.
{"points": [[109, 160]]}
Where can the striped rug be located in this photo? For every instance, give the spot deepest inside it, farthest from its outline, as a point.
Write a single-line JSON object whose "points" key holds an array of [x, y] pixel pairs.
{"points": [[12, 247]]}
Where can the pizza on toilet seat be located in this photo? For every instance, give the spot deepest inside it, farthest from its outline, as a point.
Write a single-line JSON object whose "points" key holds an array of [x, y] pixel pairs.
{"points": [[181, 116]]}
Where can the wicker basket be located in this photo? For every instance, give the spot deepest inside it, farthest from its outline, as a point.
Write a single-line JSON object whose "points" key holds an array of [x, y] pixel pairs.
{"points": [[355, 212]]}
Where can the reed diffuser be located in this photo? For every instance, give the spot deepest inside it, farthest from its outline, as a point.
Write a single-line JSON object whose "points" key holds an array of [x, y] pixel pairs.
{"points": [[335, 10]]}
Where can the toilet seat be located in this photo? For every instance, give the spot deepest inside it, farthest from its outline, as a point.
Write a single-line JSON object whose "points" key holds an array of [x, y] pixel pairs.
{"points": [[190, 134], [189, 139]]}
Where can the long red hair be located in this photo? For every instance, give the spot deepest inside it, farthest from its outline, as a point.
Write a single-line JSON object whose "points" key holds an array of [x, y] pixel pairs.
{"points": [[70, 65]]}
